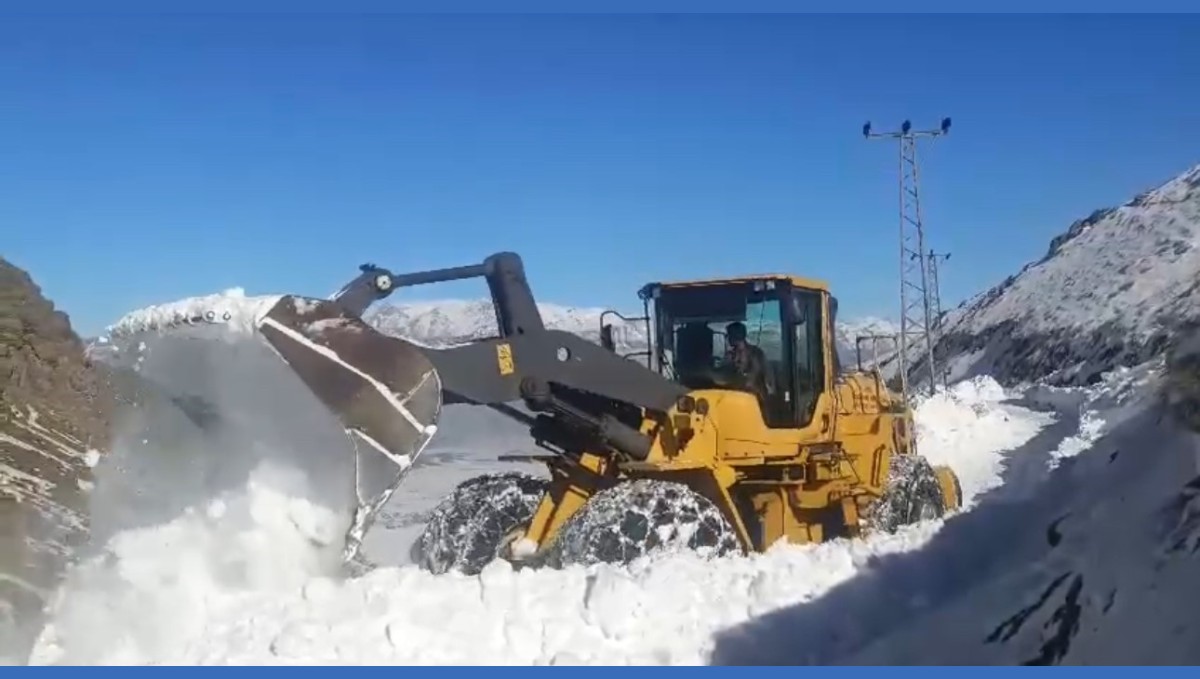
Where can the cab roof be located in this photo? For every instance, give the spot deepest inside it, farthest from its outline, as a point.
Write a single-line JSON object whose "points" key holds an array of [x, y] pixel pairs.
{"points": [[796, 281]]}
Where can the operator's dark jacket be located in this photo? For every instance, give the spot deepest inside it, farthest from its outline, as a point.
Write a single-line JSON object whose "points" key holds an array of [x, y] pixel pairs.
{"points": [[751, 364]]}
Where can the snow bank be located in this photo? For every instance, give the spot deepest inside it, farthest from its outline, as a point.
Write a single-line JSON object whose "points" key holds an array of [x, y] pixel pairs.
{"points": [[151, 592], [654, 612], [966, 427], [236, 580], [243, 588]]}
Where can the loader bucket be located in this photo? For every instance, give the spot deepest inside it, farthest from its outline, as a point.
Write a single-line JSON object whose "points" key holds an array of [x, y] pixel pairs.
{"points": [[385, 392], [206, 402]]}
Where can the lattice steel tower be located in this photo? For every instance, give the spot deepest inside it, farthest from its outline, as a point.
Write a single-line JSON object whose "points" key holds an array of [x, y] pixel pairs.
{"points": [[935, 287], [917, 330], [935, 293]]}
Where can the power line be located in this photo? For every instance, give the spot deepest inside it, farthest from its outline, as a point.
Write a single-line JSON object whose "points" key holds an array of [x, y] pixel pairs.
{"points": [[916, 315]]}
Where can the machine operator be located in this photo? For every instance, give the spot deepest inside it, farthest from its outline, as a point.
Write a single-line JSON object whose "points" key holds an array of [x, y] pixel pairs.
{"points": [[748, 361]]}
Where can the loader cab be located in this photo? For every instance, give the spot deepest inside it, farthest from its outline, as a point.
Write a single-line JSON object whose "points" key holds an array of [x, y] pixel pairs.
{"points": [[787, 319]]}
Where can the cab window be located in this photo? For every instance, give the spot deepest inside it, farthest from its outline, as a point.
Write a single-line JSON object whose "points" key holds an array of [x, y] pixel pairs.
{"points": [[704, 327], [807, 347]]}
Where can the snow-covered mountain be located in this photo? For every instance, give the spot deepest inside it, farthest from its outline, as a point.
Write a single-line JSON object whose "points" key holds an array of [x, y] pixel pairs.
{"points": [[1109, 292], [849, 330], [446, 322]]}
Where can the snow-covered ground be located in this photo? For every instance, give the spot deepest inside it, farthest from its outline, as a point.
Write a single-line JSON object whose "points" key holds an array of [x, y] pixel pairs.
{"points": [[236, 579], [1086, 554]]}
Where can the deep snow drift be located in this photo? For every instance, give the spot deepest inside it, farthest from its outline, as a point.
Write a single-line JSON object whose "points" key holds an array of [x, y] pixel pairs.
{"points": [[234, 580]]}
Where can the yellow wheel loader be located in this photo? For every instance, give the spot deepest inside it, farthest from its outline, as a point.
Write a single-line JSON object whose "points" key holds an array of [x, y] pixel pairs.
{"points": [[688, 446]]}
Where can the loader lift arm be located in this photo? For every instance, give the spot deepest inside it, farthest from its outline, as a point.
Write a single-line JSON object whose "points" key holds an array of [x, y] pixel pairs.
{"points": [[586, 395]]}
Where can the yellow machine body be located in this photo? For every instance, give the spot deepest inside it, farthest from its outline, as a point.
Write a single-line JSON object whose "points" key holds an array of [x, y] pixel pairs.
{"points": [[799, 484]]}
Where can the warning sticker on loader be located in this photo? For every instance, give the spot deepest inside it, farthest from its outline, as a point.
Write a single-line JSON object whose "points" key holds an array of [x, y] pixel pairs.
{"points": [[504, 359]]}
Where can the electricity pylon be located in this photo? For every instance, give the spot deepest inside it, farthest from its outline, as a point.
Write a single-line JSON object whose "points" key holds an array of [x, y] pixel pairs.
{"points": [[916, 313], [935, 291], [935, 286]]}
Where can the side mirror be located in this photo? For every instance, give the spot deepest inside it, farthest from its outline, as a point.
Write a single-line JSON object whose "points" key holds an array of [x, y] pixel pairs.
{"points": [[606, 337]]}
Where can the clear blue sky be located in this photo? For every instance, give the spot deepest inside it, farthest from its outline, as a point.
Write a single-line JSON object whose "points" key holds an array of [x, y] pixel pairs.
{"points": [[146, 159]]}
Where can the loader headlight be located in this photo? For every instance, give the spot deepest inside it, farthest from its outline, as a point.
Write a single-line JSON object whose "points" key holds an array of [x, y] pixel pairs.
{"points": [[383, 282]]}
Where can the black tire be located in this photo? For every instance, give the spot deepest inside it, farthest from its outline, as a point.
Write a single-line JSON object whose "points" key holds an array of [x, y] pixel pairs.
{"points": [[636, 518], [465, 530], [912, 495]]}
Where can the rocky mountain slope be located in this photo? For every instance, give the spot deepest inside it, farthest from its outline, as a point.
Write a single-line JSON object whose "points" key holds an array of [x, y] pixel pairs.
{"points": [[54, 407], [1109, 292]]}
